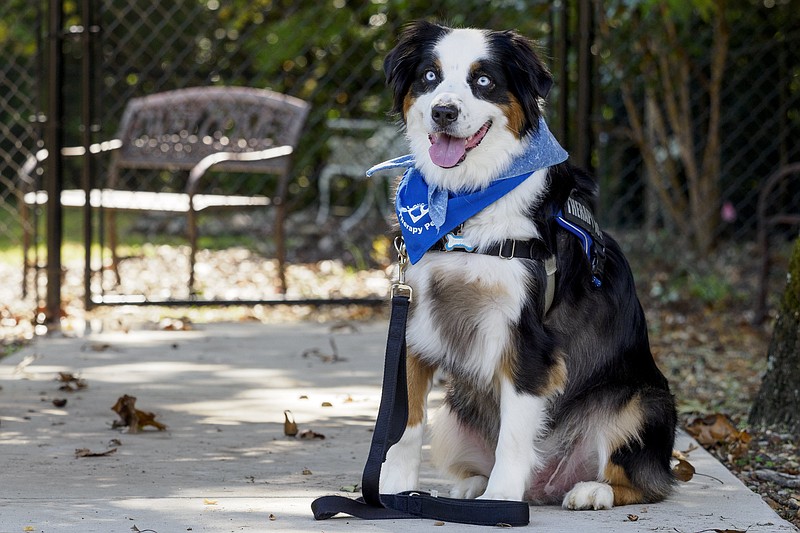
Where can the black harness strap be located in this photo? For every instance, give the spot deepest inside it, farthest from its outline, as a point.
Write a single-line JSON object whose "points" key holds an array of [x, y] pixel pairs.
{"points": [[389, 427]]}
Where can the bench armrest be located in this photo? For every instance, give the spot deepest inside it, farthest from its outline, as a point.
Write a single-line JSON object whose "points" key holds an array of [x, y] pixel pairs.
{"points": [[207, 162], [24, 174]]}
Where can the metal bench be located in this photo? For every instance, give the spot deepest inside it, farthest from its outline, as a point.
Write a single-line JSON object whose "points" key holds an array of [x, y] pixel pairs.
{"points": [[236, 129], [355, 146]]}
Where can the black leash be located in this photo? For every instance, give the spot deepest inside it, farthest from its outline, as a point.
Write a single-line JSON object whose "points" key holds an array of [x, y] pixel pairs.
{"points": [[389, 428]]}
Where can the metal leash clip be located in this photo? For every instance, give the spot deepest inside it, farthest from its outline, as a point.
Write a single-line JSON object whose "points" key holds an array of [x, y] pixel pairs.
{"points": [[399, 288]]}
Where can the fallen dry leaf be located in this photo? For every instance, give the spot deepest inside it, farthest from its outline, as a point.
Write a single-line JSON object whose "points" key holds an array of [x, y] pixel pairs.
{"points": [[206, 501], [96, 347], [632, 518], [70, 382], [132, 418], [289, 425], [712, 429], [683, 471], [350, 488], [438, 523], [306, 472], [327, 404], [86, 452], [717, 429], [26, 361], [307, 434], [324, 357]]}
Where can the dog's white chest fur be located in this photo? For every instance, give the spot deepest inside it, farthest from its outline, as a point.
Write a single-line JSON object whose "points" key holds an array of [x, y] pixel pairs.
{"points": [[464, 311], [466, 303]]}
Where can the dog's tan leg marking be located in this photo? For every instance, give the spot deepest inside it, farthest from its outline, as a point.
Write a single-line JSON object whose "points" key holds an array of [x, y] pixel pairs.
{"points": [[624, 491], [557, 378], [625, 425], [556, 375], [419, 375]]}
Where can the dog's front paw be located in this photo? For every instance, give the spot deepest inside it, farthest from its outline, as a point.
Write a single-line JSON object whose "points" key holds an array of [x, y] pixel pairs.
{"points": [[589, 495], [500, 495], [469, 488], [400, 471], [396, 478]]}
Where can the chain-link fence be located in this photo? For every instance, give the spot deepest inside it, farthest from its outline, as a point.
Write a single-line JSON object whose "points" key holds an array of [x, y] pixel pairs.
{"points": [[690, 109]]}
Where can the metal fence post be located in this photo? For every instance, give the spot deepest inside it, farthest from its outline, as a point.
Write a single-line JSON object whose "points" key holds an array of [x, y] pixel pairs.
{"points": [[54, 141], [583, 105], [89, 32]]}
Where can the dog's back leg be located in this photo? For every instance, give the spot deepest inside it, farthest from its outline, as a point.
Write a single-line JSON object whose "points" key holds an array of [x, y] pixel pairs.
{"points": [[617, 488], [637, 469], [400, 472]]}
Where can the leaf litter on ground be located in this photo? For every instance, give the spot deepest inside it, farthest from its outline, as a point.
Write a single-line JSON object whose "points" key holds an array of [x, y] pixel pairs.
{"points": [[132, 418], [290, 429], [86, 452], [70, 382]]}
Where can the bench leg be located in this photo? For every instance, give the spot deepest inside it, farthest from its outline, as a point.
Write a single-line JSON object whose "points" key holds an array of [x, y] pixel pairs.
{"points": [[280, 244], [26, 244], [111, 224], [191, 220]]}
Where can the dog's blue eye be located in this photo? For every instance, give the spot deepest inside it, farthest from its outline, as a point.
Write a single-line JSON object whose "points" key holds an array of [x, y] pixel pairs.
{"points": [[430, 75], [484, 81]]}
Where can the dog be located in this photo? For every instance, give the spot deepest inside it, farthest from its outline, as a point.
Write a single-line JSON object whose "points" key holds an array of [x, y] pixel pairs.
{"points": [[552, 393]]}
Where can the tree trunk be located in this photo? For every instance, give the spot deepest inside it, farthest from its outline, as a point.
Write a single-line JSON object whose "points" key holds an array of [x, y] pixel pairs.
{"points": [[778, 402]]}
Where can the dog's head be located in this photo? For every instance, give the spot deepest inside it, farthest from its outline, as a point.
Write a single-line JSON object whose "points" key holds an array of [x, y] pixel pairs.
{"points": [[468, 98]]}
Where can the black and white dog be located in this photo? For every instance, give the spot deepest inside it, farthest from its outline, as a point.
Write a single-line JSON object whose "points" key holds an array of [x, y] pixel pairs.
{"points": [[552, 394]]}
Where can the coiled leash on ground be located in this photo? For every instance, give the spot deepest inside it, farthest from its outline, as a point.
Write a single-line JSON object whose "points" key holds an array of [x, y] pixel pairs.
{"points": [[389, 428]]}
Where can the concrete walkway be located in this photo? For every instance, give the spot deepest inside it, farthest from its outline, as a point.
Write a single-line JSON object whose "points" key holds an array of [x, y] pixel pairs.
{"points": [[224, 464]]}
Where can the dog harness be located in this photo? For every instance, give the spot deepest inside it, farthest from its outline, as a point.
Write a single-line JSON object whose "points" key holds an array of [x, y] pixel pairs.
{"points": [[575, 217]]}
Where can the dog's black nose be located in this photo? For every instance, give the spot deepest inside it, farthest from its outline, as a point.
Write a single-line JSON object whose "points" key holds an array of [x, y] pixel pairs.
{"points": [[444, 114]]}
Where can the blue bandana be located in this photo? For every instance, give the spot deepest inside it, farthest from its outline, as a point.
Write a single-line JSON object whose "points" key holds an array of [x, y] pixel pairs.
{"points": [[426, 213]]}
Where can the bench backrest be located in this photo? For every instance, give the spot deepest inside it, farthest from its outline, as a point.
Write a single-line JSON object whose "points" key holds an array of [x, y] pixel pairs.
{"points": [[176, 129]]}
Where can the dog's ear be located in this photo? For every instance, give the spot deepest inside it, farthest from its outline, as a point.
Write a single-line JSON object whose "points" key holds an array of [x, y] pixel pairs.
{"points": [[402, 62], [527, 62], [528, 78]]}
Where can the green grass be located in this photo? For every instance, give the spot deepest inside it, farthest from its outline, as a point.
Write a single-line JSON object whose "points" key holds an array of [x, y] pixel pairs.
{"points": [[130, 242]]}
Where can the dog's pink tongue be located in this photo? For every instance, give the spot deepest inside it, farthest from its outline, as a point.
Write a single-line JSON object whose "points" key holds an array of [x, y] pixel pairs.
{"points": [[447, 151]]}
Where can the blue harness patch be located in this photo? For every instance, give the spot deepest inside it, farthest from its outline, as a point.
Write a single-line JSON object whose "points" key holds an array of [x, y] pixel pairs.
{"points": [[577, 219]]}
